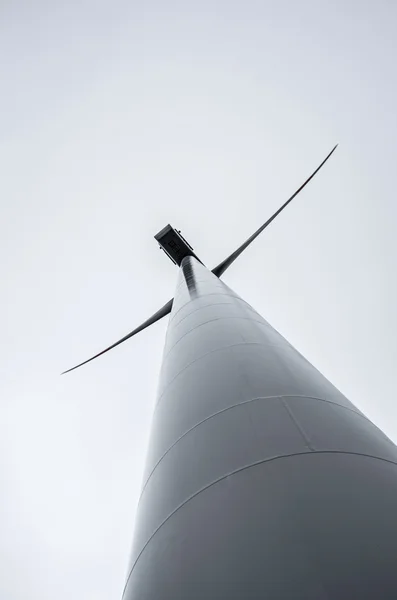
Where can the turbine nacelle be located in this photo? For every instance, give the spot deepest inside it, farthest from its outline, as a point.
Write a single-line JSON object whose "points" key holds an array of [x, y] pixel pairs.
{"points": [[174, 244]]}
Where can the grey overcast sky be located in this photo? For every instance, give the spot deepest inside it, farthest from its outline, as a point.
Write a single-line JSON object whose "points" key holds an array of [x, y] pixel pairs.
{"points": [[117, 118]]}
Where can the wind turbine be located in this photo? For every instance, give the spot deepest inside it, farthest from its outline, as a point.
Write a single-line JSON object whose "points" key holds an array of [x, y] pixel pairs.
{"points": [[262, 482]]}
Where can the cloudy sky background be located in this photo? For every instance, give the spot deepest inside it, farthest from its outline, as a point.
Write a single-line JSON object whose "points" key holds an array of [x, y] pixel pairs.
{"points": [[117, 118]]}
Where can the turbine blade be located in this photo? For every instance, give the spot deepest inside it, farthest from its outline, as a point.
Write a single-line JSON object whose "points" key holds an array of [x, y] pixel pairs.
{"points": [[162, 312], [225, 264]]}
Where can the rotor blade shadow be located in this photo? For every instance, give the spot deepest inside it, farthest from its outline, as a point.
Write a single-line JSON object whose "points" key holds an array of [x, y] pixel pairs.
{"points": [[190, 278]]}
